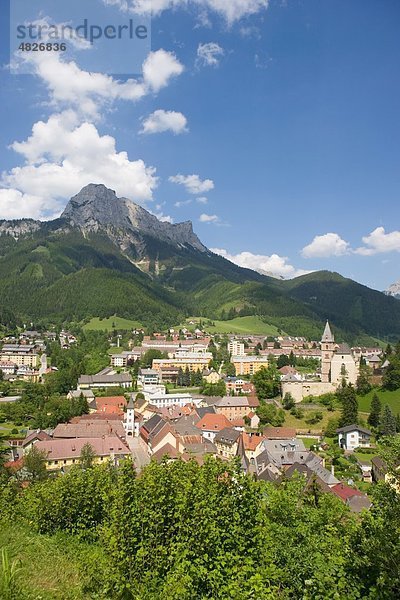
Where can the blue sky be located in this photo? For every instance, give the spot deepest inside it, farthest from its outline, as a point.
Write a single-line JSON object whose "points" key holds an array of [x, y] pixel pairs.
{"points": [[285, 114]]}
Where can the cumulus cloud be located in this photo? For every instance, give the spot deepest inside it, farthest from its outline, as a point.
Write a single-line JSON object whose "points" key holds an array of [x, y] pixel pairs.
{"points": [[202, 200], [192, 183], [204, 218], [14, 205], [378, 241], [324, 246], [274, 265], [87, 92], [164, 120], [182, 203], [159, 67], [230, 10], [209, 54], [63, 155]]}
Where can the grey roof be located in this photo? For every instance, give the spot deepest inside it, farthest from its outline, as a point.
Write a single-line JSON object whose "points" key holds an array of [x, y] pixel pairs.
{"points": [[343, 349], [378, 462], [148, 372], [327, 336], [204, 410], [153, 423], [358, 503], [228, 401], [185, 425], [84, 393], [227, 436], [26, 348], [354, 427], [100, 378], [89, 428]]}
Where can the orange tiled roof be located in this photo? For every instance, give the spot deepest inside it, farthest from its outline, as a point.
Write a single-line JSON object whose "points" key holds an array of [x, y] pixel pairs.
{"points": [[213, 422]]}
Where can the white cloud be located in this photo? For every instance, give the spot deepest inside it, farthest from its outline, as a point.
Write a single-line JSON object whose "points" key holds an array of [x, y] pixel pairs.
{"points": [[209, 218], [209, 54], [323, 246], [182, 203], [202, 200], [230, 10], [159, 67], [378, 241], [162, 120], [161, 217], [192, 183], [14, 205], [86, 92], [63, 155], [274, 265]]}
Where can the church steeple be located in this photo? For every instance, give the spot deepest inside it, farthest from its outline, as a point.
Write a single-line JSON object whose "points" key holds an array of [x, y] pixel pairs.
{"points": [[327, 337], [327, 350]]}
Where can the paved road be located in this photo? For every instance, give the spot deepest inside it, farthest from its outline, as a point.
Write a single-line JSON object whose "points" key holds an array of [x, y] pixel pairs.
{"points": [[139, 452]]}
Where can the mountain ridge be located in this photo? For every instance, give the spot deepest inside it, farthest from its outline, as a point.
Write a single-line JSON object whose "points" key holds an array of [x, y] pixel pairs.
{"points": [[106, 255]]}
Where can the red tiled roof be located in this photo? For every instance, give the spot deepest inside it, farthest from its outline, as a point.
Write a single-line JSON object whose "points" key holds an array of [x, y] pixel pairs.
{"points": [[71, 448], [344, 492], [251, 442], [213, 422], [89, 428], [36, 435], [279, 433], [110, 401]]}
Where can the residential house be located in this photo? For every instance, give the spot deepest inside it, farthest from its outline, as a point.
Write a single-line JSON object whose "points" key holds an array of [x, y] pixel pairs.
{"points": [[211, 424], [226, 442], [235, 407], [20, 354], [163, 400], [252, 444], [148, 377], [64, 453], [234, 384], [111, 405], [8, 368], [105, 379], [353, 498], [249, 365], [379, 469], [89, 428], [211, 376], [76, 394], [33, 437], [279, 433], [354, 436], [236, 348]]}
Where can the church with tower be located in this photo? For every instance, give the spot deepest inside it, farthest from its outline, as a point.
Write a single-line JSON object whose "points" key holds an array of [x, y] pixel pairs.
{"points": [[337, 364]]}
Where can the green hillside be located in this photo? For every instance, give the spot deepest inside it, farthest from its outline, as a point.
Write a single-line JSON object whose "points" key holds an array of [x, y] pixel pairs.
{"points": [[385, 396], [349, 305], [57, 274], [110, 323], [240, 325]]}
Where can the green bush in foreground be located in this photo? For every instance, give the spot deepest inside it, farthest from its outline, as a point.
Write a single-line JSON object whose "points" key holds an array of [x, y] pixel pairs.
{"points": [[182, 531]]}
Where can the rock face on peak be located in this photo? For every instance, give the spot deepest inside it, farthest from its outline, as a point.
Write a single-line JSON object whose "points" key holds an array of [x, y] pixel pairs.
{"points": [[394, 290], [98, 209], [17, 228]]}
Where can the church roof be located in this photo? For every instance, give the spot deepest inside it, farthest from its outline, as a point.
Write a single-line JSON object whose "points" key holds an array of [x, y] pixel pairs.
{"points": [[343, 349], [328, 335]]}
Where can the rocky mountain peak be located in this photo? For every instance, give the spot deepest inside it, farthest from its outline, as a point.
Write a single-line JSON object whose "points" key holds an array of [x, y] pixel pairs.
{"points": [[97, 208], [394, 290]]}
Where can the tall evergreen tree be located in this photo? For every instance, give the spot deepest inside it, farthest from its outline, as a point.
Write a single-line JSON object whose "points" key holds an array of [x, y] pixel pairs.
{"points": [[376, 408], [388, 422], [398, 423], [348, 398]]}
